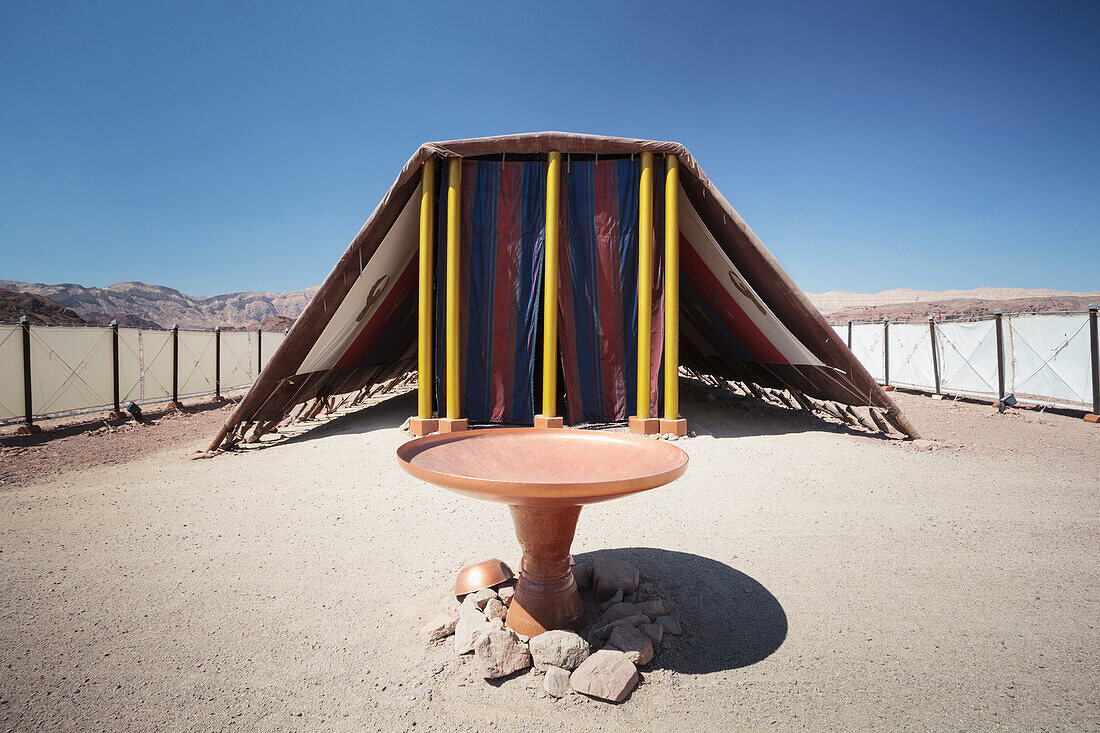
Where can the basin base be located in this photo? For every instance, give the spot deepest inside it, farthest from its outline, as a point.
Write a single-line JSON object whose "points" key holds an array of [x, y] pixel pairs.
{"points": [[546, 595]]}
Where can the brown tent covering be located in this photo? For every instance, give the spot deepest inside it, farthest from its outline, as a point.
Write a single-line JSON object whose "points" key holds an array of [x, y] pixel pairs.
{"points": [[839, 377]]}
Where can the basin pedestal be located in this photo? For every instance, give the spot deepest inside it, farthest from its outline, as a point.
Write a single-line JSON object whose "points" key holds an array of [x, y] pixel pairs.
{"points": [[544, 475], [546, 594]]}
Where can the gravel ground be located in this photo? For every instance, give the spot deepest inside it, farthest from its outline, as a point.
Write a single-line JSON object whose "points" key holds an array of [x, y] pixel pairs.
{"points": [[826, 579], [78, 442]]}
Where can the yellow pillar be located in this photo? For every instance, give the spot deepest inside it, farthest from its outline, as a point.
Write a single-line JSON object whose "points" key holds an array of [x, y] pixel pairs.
{"points": [[452, 422], [548, 418], [671, 422], [641, 422], [423, 424]]}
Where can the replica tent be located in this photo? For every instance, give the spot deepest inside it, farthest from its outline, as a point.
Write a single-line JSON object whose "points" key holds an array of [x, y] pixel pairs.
{"points": [[507, 267]]}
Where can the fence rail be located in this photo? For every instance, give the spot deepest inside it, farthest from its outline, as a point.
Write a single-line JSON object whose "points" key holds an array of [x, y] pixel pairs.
{"points": [[1041, 358], [48, 371]]}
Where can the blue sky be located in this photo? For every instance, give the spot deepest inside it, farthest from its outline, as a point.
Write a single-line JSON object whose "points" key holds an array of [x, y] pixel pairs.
{"points": [[219, 147]]}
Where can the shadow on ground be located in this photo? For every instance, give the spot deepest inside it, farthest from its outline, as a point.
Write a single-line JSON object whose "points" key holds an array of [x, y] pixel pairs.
{"points": [[709, 411], [729, 619], [723, 414], [391, 412], [69, 425]]}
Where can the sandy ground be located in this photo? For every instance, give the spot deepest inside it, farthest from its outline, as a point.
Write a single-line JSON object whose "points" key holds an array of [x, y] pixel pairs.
{"points": [[827, 580], [77, 442]]}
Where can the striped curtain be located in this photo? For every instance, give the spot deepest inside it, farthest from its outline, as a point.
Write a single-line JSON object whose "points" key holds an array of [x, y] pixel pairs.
{"points": [[501, 257], [598, 289]]}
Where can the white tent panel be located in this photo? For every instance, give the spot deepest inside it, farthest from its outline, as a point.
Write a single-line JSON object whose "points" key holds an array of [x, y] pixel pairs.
{"points": [[968, 357], [237, 359], [377, 278], [11, 372], [71, 369], [737, 287], [196, 367], [1051, 359], [867, 345], [911, 355], [156, 360], [129, 365]]}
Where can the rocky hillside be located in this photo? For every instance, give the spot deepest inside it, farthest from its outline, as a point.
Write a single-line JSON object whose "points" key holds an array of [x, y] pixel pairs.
{"points": [[131, 302], [155, 306], [923, 303], [961, 308], [37, 308]]}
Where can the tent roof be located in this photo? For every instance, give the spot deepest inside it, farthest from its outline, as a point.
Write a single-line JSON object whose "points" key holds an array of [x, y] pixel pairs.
{"points": [[280, 387]]}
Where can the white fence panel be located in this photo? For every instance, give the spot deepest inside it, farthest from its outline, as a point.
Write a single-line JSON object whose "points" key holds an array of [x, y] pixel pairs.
{"points": [[842, 333], [867, 345], [237, 358], [1051, 360], [271, 344], [129, 365], [911, 356], [11, 372], [196, 367], [156, 364], [71, 369], [968, 357]]}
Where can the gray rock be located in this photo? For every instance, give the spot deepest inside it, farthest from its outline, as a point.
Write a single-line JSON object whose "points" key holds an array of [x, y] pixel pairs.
{"points": [[604, 631], [610, 575], [618, 611], [471, 621], [480, 597], [671, 624], [582, 573], [653, 609], [634, 644], [495, 609], [506, 593], [439, 627], [617, 598], [466, 633], [559, 648], [556, 682], [655, 632], [607, 674], [498, 653]]}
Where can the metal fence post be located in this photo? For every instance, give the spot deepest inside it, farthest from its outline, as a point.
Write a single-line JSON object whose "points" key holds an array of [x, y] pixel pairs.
{"points": [[999, 315], [217, 362], [1094, 342], [935, 352], [176, 365], [886, 351], [114, 363], [849, 334], [28, 411], [259, 349]]}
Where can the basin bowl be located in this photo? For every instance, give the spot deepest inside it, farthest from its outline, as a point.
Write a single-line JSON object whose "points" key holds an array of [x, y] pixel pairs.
{"points": [[545, 476], [543, 467]]}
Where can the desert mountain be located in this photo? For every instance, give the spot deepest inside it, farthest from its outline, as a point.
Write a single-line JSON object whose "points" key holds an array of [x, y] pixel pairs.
{"points": [[908, 305], [36, 308], [837, 300], [165, 306], [141, 304]]}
